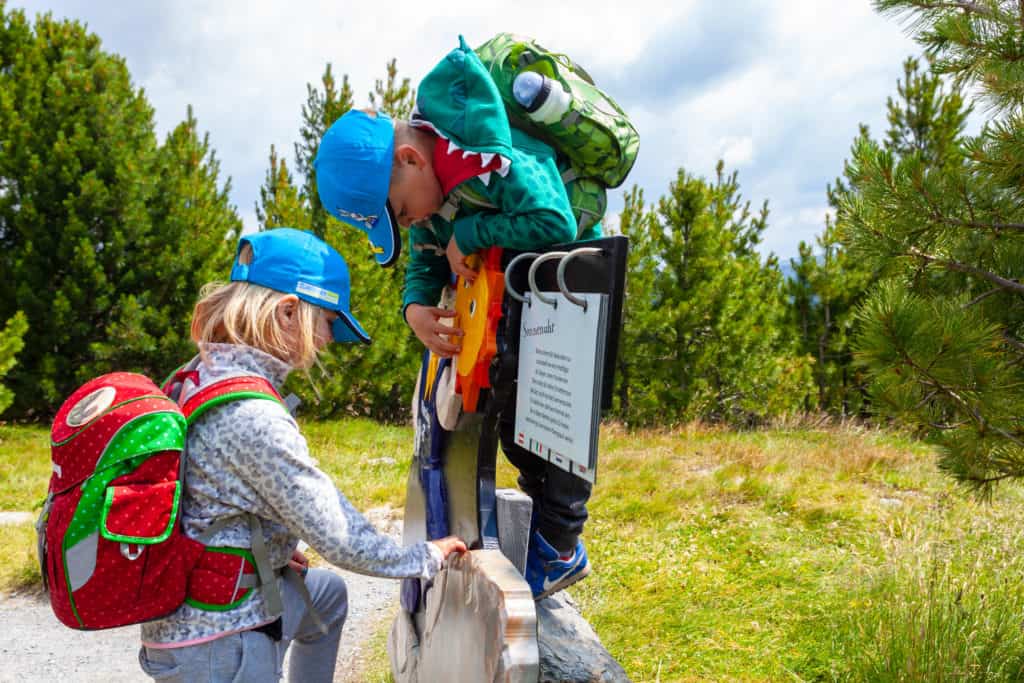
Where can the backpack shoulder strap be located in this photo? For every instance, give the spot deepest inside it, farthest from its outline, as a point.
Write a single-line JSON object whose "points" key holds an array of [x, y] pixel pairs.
{"points": [[172, 386], [166, 385], [225, 391]]}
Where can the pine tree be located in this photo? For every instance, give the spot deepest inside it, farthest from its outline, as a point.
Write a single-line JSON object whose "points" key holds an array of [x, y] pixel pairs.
{"points": [[280, 204], [77, 142], [194, 229], [377, 379], [354, 380], [704, 335], [804, 309], [103, 233], [393, 96], [943, 225], [824, 292], [11, 342], [318, 113], [924, 119]]}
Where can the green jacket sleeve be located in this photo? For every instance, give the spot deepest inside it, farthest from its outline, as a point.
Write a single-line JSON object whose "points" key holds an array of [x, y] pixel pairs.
{"points": [[533, 209], [427, 272]]}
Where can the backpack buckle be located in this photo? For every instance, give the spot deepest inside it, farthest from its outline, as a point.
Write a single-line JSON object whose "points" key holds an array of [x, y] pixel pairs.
{"points": [[128, 554]]}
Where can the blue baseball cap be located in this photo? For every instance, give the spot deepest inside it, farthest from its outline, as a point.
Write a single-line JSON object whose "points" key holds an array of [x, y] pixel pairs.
{"points": [[300, 263], [353, 173]]}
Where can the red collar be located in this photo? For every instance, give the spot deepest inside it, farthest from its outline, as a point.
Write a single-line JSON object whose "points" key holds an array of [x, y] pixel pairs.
{"points": [[455, 168]]}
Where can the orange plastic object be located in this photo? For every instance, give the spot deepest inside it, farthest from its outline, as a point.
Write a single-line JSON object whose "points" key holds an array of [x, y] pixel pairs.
{"points": [[478, 305]]}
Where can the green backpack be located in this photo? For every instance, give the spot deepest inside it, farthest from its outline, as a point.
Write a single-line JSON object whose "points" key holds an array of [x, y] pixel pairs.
{"points": [[594, 137]]}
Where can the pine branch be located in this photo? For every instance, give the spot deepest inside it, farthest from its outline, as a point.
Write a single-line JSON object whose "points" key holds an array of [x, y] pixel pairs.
{"points": [[1011, 285], [981, 297], [967, 197], [1013, 341], [993, 480], [979, 419], [947, 428], [926, 399], [967, 7], [979, 224], [949, 220]]}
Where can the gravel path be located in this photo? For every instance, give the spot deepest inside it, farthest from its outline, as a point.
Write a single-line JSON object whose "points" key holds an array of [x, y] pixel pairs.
{"points": [[34, 646]]}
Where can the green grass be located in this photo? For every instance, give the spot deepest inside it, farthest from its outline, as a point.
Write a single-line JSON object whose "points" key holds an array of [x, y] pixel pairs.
{"points": [[24, 467], [778, 555], [24, 477], [367, 461], [751, 556]]}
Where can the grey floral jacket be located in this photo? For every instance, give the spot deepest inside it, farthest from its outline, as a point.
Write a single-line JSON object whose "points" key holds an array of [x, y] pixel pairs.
{"points": [[248, 456]]}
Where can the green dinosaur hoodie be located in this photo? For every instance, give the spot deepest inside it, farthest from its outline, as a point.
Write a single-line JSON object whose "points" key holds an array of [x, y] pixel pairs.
{"points": [[521, 206]]}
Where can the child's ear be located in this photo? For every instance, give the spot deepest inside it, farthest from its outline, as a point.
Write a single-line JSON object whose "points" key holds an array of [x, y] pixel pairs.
{"points": [[407, 154], [286, 311]]}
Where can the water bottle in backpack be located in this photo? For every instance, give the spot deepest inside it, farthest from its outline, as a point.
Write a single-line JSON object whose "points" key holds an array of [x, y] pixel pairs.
{"points": [[543, 98]]}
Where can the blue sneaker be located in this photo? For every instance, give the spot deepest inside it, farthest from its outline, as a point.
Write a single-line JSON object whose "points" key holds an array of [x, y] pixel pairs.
{"points": [[547, 573]]}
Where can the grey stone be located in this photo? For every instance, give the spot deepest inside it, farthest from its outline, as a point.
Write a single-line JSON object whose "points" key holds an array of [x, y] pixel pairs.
{"points": [[570, 651]]}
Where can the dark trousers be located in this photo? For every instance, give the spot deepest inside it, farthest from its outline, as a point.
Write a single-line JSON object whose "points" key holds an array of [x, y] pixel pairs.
{"points": [[559, 498]]}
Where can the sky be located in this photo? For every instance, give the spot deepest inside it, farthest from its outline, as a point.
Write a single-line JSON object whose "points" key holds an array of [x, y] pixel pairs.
{"points": [[776, 89]]}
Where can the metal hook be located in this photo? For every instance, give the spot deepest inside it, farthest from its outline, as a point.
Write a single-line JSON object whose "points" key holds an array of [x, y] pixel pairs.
{"points": [[582, 303], [129, 554], [508, 281], [533, 273]]}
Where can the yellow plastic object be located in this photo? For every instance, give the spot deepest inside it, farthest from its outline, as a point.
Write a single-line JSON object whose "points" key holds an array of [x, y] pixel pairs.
{"points": [[478, 305], [472, 316], [431, 374]]}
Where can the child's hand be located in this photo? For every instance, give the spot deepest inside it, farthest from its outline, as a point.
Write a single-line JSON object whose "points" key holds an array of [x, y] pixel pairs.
{"points": [[450, 544], [457, 261], [299, 562], [425, 322]]}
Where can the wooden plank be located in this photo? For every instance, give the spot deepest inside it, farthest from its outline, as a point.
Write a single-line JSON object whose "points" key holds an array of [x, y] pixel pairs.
{"points": [[479, 624]]}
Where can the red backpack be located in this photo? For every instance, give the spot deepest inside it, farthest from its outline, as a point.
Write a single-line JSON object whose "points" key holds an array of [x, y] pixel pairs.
{"points": [[111, 548]]}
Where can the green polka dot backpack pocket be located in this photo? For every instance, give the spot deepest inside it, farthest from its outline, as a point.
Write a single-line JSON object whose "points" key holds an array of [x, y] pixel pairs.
{"points": [[111, 548]]}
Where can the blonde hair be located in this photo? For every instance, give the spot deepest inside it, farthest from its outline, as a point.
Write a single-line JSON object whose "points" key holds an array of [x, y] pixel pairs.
{"points": [[244, 313]]}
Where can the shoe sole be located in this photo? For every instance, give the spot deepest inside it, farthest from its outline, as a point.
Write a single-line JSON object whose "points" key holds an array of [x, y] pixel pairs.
{"points": [[562, 586]]}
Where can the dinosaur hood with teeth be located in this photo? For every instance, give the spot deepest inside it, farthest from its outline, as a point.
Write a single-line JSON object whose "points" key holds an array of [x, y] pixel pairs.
{"points": [[459, 101], [517, 200]]}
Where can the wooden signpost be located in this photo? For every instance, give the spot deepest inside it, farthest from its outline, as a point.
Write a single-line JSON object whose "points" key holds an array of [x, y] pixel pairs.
{"points": [[476, 621]]}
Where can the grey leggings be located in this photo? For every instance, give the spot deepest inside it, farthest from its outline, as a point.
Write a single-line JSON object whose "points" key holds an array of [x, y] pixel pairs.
{"points": [[254, 657]]}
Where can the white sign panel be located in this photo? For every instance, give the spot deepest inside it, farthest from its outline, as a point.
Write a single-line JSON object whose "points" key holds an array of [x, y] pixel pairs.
{"points": [[561, 362]]}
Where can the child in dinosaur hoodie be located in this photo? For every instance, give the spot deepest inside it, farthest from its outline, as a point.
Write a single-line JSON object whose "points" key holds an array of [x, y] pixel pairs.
{"points": [[461, 179]]}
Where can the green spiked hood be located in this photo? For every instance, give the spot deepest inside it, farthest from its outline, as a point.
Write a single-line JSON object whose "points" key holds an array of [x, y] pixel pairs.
{"points": [[461, 103]]}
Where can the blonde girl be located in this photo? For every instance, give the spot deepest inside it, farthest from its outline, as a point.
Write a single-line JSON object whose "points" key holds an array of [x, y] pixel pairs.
{"points": [[287, 299]]}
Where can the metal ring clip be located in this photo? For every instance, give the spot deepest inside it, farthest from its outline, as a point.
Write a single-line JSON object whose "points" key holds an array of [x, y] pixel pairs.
{"points": [[582, 303], [126, 551], [533, 273], [508, 281]]}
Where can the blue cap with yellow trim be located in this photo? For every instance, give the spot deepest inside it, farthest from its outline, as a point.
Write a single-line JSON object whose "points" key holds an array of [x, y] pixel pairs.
{"points": [[300, 263]]}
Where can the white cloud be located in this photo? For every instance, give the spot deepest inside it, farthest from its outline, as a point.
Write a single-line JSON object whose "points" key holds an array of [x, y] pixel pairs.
{"points": [[736, 152], [612, 224]]}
